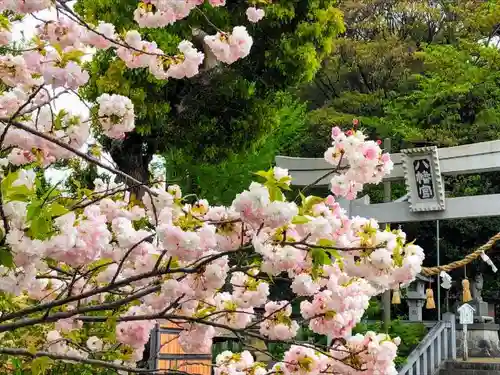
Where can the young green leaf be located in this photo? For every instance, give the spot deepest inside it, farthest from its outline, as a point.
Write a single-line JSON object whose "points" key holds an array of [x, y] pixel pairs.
{"points": [[299, 219], [6, 258]]}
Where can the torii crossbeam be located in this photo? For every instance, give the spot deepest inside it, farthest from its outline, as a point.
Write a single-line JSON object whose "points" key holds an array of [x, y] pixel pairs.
{"points": [[460, 160]]}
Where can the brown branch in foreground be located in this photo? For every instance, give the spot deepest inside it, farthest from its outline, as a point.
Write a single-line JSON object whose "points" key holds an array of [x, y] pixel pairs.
{"points": [[104, 289], [89, 361], [76, 18], [82, 155], [334, 170]]}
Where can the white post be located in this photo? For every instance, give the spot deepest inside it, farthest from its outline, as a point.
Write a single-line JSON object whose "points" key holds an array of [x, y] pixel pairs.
{"points": [[466, 317], [466, 349], [386, 296], [437, 277], [453, 338]]}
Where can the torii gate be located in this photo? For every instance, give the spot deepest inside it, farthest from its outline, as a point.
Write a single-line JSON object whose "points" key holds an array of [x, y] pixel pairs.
{"points": [[460, 160], [422, 169]]}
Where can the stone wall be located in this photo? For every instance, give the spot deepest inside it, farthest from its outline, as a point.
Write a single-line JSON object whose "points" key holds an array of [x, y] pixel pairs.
{"points": [[482, 340], [469, 368]]}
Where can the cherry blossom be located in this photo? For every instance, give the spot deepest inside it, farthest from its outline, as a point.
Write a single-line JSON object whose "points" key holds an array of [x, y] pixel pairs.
{"points": [[232, 46], [254, 15], [278, 325], [116, 115]]}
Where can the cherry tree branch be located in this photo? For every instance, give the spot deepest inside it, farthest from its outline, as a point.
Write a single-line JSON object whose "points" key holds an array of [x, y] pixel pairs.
{"points": [[77, 152], [76, 18], [109, 287], [89, 361], [129, 251]]}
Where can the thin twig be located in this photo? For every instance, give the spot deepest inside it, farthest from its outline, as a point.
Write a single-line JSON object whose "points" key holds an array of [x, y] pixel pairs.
{"points": [[74, 358], [77, 152]]}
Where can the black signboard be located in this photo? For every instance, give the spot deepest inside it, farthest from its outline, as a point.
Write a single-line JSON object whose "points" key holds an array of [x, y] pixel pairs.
{"points": [[423, 178]]}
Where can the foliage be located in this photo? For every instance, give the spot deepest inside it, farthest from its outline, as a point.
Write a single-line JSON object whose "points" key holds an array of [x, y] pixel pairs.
{"points": [[416, 75], [15, 368], [286, 117], [227, 108]]}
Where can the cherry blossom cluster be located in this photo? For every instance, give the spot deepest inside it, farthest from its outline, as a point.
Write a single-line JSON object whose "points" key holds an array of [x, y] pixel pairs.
{"points": [[73, 130], [278, 325], [170, 258], [364, 160], [160, 13], [374, 354], [228, 363], [25, 6], [230, 47], [180, 251], [53, 61], [55, 58], [116, 115], [336, 309]]}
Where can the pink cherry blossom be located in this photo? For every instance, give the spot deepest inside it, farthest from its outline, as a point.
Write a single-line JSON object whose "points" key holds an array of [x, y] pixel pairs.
{"points": [[116, 115], [231, 47], [254, 15]]}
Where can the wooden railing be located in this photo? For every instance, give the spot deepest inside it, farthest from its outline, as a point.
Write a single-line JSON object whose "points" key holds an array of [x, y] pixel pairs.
{"points": [[437, 346]]}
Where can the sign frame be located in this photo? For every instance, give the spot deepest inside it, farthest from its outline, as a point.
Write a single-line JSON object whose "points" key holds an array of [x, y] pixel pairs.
{"points": [[426, 182], [466, 312]]}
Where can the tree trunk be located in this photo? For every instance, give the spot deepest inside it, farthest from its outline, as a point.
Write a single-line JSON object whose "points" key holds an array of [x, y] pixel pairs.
{"points": [[133, 155]]}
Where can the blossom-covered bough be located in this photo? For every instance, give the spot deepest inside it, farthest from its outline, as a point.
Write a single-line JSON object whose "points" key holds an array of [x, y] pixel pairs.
{"points": [[85, 277]]}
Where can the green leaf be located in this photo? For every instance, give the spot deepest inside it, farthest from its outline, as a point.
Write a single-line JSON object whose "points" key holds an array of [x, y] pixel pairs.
{"points": [[111, 321], [338, 258], [284, 183], [58, 48], [74, 335], [74, 55], [275, 193], [56, 209], [4, 23], [320, 257], [6, 258], [32, 348], [299, 219], [309, 202], [268, 175], [302, 197], [40, 365], [98, 265], [14, 193], [34, 210], [7, 181], [325, 242], [58, 120], [40, 228], [397, 257]]}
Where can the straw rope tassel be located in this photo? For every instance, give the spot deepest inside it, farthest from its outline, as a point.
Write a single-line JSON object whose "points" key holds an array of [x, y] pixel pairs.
{"points": [[466, 296], [431, 271], [430, 299], [396, 297]]}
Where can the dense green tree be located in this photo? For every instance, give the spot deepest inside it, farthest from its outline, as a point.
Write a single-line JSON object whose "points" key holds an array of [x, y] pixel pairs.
{"points": [[225, 109], [399, 59]]}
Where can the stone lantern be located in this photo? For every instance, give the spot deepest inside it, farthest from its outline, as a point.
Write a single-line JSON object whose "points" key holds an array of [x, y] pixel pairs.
{"points": [[415, 297]]}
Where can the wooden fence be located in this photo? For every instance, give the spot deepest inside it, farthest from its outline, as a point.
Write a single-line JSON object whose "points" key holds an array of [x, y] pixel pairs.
{"points": [[167, 354]]}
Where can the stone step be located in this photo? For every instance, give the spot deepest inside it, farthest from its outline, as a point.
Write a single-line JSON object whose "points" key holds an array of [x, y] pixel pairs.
{"points": [[471, 368]]}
